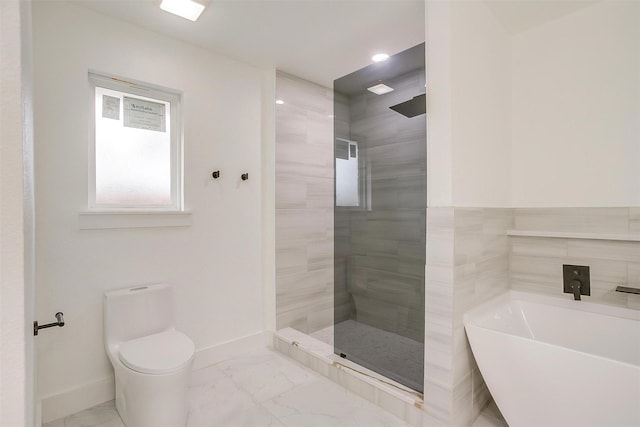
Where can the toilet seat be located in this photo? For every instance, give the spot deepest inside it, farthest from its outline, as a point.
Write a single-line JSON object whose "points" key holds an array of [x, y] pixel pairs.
{"points": [[156, 354]]}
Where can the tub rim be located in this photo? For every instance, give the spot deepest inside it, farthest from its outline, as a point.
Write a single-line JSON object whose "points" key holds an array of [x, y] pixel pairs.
{"points": [[562, 301]]}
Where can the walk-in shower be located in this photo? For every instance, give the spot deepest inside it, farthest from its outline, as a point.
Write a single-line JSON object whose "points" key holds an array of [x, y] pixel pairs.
{"points": [[379, 217], [350, 168]]}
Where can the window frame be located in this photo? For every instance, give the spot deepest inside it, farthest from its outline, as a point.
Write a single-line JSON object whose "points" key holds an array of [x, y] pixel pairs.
{"points": [[147, 90]]}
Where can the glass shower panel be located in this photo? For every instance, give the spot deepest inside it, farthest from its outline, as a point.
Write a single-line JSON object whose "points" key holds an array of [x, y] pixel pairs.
{"points": [[379, 217]]}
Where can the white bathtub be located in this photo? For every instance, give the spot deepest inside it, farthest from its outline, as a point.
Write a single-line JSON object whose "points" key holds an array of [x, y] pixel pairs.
{"points": [[551, 361]]}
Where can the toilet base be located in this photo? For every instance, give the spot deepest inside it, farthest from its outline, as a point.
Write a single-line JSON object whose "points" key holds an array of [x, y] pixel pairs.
{"points": [[144, 400]]}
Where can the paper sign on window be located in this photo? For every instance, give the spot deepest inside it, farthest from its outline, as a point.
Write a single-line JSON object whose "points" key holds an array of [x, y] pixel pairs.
{"points": [[142, 114], [110, 107]]}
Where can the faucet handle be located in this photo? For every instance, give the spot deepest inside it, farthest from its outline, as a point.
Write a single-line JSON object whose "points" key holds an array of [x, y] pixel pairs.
{"points": [[576, 280], [575, 286]]}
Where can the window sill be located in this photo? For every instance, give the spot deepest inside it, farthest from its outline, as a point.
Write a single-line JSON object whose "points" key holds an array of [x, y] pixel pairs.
{"points": [[140, 219]]}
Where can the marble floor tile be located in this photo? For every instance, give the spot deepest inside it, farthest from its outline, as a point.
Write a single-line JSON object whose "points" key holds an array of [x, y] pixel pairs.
{"points": [[322, 403], [103, 415], [265, 375], [116, 422], [490, 417], [216, 402], [260, 389], [486, 421], [252, 416]]}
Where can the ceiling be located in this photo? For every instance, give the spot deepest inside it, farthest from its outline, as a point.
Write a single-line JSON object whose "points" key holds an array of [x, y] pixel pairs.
{"points": [[319, 40], [401, 63]]}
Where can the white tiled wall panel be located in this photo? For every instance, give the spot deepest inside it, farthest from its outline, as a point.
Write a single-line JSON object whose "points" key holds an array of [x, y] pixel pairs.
{"points": [[536, 262], [304, 205], [467, 264]]}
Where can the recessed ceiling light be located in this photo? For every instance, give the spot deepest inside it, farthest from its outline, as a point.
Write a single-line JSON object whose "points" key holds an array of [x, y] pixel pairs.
{"points": [[380, 89], [187, 9], [279, 101], [379, 57]]}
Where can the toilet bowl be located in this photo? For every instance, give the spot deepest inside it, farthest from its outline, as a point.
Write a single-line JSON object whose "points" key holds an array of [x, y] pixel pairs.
{"points": [[151, 359]]}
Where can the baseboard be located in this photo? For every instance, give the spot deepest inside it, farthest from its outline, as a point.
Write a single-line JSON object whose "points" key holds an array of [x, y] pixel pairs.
{"points": [[38, 421], [83, 397], [237, 347], [77, 399]]}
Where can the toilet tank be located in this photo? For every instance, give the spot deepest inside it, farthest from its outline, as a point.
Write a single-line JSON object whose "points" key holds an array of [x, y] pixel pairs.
{"points": [[135, 312]]}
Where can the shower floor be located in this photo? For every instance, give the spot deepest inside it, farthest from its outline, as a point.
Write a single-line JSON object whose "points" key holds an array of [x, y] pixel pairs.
{"points": [[397, 357]]}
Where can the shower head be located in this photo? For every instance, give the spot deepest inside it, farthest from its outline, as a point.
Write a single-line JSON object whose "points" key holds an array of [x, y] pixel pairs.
{"points": [[413, 107]]}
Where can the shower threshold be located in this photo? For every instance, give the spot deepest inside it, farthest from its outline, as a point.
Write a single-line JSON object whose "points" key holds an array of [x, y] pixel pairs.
{"points": [[394, 356], [390, 395]]}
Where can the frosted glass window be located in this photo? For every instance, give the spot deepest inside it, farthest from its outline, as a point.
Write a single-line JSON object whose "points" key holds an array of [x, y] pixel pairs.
{"points": [[136, 148], [347, 179]]}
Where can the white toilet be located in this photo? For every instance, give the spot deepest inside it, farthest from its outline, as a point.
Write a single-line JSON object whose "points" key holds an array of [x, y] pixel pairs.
{"points": [[152, 361]]}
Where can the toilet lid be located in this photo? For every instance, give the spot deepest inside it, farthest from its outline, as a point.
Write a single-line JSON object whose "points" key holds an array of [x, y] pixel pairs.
{"points": [[158, 353]]}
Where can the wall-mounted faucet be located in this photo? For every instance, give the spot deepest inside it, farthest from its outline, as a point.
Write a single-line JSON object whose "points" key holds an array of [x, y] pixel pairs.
{"points": [[575, 286], [576, 280], [628, 290]]}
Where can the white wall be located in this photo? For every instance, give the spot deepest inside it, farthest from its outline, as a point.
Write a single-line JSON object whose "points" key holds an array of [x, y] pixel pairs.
{"points": [[545, 117], [215, 264], [15, 357], [269, 198], [480, 93], [576, 109], [438, 71], [468, 68]]}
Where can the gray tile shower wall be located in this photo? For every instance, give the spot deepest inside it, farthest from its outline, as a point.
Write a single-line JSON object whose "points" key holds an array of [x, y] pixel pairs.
{"points": [[536, 262], [467, 264], [304, 205], [342, 226], [385, 261]]}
